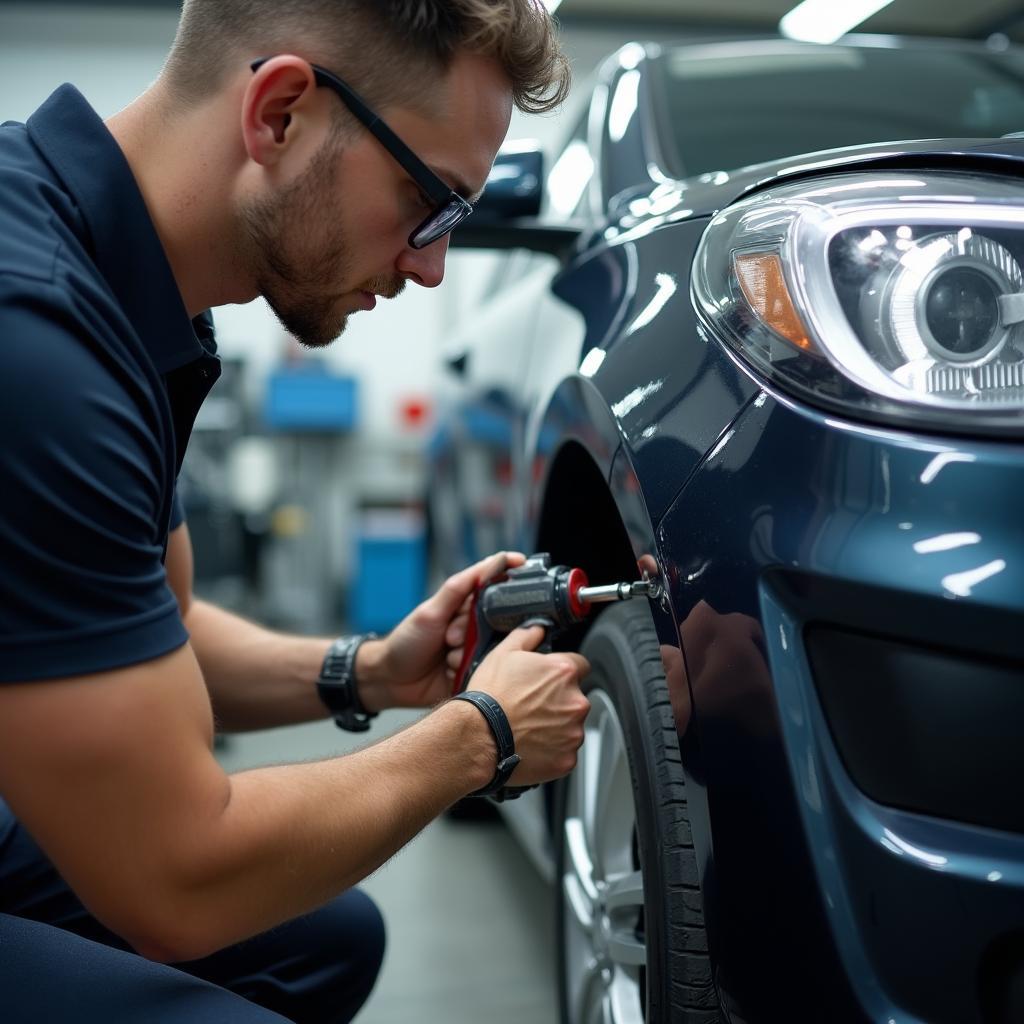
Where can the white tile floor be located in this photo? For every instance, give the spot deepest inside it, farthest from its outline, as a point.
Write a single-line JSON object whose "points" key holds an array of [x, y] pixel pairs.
{"points": [[470, 933]]}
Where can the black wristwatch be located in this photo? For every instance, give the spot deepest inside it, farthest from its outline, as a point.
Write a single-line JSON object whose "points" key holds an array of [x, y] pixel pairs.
{"points": [[506, 744], [337, 684]]}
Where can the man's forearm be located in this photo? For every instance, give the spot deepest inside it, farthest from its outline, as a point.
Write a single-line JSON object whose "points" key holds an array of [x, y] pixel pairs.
{"points": [[259, 679], [256, 678], [292, 837]]}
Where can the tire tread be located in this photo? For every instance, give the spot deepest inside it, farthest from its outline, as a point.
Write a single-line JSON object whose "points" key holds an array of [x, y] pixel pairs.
{"points": [[689, 984]]}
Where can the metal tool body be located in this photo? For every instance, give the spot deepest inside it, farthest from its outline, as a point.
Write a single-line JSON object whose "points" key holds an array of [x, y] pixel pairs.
{"points": [[555, 597]]}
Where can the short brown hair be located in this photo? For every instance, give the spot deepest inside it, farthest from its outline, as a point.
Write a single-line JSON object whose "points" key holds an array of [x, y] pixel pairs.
{"points": [[388, 49]]}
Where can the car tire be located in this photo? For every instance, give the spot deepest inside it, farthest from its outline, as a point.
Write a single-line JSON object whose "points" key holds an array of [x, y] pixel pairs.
{"points": [[630, 921]]}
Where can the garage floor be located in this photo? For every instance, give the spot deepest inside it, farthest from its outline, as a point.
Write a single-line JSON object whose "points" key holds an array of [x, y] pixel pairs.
{"points": [[470, 934]]}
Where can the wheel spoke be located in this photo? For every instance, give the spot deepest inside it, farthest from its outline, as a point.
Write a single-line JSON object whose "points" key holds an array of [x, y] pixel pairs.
{"points": [[626, 949], [612, 833], [624, 992], [590, 782], [627, 893], [607, 1015], [624, 901], [580, 864], [590, 993], [605, 791], [611, 760], [576, 903]]}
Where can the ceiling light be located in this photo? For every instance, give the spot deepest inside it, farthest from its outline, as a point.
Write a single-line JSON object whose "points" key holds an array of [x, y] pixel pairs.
{"points": [[825, 21], [551, 5]]}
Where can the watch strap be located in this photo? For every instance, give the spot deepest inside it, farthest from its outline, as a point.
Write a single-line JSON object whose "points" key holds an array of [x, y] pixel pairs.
{"points": [[337, 685], [507, 759]]}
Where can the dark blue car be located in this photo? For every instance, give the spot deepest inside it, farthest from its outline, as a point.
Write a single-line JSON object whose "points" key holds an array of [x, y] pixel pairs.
{"points": [[791, 389]]}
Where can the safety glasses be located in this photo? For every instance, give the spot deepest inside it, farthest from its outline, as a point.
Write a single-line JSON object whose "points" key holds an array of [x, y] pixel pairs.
{"points": [[449, 207]]}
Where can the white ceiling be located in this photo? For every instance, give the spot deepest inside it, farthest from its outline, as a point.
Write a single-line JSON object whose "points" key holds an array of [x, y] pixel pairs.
{"points": [[919, 17]]}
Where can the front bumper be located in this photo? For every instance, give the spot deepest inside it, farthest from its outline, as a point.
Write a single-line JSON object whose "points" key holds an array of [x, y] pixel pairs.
{"points": [[851, 606]]}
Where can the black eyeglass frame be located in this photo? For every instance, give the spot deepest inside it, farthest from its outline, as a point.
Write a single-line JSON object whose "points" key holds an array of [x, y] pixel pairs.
{"points": [[450, 209]]}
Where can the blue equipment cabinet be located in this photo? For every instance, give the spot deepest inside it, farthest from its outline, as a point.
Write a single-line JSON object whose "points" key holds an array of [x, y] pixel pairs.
{"points": [[310, 398], [390, 576]]}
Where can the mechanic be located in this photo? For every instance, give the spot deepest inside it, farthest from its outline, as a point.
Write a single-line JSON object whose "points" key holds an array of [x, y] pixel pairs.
{"points": [[248, 168]]}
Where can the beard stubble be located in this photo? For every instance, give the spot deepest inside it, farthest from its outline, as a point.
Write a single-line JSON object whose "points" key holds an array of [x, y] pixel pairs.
{"points": [[298, 252]]}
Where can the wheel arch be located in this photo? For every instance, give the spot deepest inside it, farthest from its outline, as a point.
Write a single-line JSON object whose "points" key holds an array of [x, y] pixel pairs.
{"points": [[591, 513], [580, 522]]}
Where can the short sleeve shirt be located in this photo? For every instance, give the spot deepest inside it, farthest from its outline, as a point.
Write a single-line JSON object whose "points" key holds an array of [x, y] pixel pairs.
{"points": [[101, 376]]}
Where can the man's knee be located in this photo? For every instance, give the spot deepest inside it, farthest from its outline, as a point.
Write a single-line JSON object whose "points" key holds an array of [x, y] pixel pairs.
{"points": [[47, 974], [344, 943], [359, 936], [376, 933], [318, 968], [351, 938]]}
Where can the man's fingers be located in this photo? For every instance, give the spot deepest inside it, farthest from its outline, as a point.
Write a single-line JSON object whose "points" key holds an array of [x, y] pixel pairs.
{"points": [[459, 588], [577, 664], [524, 639], [456, 633], [510, 560], [530, 638], [581, 663]]}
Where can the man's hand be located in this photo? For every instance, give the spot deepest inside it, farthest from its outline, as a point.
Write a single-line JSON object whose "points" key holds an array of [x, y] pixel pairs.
{"points": [[541, 697], [415, 665]]}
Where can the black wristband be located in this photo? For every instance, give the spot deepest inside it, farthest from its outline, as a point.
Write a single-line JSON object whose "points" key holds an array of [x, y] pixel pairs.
{"points": [[337, 684], [503, 738]]}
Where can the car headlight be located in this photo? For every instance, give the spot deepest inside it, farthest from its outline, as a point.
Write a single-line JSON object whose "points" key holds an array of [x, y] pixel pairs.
{"points": [[894, 295]]}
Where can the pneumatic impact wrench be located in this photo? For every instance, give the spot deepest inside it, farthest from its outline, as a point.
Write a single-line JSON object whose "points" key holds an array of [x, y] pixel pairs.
{"points": [[534, 594]]}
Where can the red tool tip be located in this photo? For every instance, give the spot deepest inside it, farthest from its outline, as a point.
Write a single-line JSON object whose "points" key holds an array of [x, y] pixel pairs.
{"points": [[577, 581]]}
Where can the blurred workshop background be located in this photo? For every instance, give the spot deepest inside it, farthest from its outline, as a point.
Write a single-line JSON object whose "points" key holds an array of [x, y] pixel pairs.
{"points": [[305, 484]]}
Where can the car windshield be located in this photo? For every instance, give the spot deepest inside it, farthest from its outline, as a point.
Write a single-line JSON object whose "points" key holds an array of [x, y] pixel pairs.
{"points": [[728, 107]]}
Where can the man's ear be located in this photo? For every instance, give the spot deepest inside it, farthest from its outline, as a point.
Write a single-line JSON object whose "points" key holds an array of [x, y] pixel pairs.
{"points": [[278, 98]]}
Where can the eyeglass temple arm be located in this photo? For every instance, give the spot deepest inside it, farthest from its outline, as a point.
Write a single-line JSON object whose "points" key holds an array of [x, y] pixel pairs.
{"points": [[411, 164]]}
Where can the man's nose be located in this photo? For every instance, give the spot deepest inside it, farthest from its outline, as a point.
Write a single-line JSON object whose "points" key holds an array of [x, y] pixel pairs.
{"points": [[424, 267]]}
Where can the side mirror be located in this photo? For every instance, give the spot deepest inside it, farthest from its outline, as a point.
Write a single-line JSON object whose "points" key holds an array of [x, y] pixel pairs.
{"points": [[506, 215], [514, 186]]}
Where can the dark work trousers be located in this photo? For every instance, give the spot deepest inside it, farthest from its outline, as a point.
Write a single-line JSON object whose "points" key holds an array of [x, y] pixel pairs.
{"points": [[59, 964]]}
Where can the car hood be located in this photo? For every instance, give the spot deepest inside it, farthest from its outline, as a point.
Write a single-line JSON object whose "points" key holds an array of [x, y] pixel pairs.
{"points": [[645, 208]]}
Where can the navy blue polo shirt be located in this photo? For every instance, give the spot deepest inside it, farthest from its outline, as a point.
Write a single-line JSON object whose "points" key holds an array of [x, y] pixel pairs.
{"points": [[101, 376]]}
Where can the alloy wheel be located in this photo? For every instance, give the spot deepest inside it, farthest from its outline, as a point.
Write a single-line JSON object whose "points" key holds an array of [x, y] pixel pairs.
{"points": [[602, 886]]}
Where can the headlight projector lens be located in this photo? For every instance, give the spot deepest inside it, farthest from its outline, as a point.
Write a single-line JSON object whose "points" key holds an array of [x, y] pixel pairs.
{"points": [[940, 303], [961, 313]]}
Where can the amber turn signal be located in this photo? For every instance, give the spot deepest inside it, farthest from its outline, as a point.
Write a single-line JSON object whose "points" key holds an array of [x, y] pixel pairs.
{"points": [[764, 287]]}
